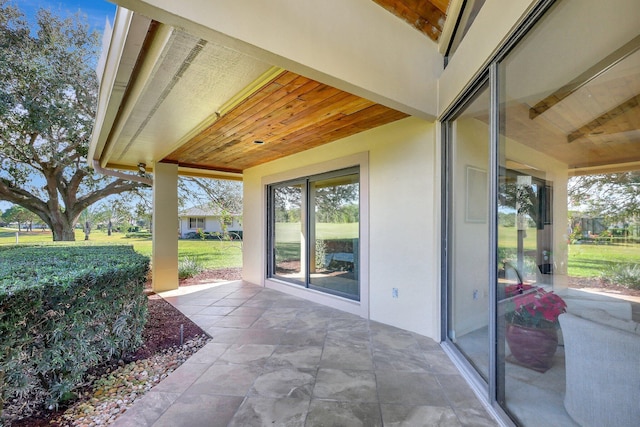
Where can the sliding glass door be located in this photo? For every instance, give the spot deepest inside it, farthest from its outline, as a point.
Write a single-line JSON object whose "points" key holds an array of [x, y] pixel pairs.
{"points": [[315, 232], [542, 237]]}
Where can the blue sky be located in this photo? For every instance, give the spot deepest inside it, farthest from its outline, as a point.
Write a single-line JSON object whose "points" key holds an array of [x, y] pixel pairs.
{"points": [[96, 10]]}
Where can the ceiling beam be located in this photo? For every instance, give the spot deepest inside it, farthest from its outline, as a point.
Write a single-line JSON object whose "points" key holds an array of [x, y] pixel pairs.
{"points": [[598, 125], [592, 73]]}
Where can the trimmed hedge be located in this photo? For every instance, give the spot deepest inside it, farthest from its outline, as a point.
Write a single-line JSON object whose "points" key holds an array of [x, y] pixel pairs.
{"points": [[213, 235], [138, 235], [63, 310]]}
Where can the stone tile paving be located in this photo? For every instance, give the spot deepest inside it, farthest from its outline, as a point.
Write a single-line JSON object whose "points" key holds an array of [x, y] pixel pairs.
{"points": [[278, 360]]}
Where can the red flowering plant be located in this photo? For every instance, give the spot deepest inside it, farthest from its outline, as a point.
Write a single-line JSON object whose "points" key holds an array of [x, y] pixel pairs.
{"points": [[536, 309]]}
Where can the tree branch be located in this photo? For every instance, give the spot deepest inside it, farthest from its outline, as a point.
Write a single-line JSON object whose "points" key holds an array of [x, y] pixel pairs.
{"points": [[118, 186]]}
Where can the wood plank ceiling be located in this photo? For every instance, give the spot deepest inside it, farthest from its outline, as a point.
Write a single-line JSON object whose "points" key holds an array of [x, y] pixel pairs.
{"points": [[591, 123], [290, 114], [426, 16]]}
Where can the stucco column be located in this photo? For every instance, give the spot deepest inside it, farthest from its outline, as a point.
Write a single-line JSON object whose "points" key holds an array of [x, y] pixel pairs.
{"points": [[165, 227]]}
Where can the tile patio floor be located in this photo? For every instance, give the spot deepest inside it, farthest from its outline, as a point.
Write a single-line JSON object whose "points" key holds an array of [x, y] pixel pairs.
{"points": [[278, 360]]}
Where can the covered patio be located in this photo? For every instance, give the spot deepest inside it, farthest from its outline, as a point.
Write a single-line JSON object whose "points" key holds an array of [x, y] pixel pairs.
{"points": [[275, 359]]}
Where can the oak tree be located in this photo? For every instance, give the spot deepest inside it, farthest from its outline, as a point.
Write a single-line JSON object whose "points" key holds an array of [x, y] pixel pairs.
{"points": [[48, 92]]}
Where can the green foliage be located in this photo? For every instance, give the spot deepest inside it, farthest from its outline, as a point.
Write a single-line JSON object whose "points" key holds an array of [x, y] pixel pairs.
{"points": [[321, 254], [507, 219], [614, 196], [627, 275], [18, 214], [138, 235], [201, 234], [576, 233], [63, 310], [189, 267]]}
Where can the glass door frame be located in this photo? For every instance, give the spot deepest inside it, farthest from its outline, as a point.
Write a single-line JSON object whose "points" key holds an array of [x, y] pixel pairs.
{"points": [[493, 394]]}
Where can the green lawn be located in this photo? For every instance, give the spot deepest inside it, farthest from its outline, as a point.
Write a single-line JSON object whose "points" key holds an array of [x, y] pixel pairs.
{"points": [[290, 231], [210, 253], [591, 260], [584, 260]]}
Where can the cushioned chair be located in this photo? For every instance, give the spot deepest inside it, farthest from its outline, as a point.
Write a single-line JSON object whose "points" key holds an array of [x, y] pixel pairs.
{"points": [[602, 355]]}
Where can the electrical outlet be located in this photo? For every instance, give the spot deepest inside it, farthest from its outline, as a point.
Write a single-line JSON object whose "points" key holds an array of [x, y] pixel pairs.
{"points": [[476, 294], [394, 292]]}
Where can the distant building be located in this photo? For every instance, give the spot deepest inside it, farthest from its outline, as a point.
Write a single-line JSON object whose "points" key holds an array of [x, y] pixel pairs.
{"points": [[209, 220]]}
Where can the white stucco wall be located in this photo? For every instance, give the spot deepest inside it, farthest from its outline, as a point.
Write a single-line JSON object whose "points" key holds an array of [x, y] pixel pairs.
{"points": [[403, 219]]}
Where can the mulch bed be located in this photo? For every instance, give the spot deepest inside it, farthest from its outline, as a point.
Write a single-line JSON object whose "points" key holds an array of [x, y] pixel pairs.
{"points": [[602, 285], [163, 326]]}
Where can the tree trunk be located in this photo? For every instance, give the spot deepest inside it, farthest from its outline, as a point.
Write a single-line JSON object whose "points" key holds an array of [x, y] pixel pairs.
{"points": [[64, 236], [63, 232]]}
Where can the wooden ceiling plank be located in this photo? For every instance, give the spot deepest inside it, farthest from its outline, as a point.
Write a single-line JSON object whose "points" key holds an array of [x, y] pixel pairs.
{"points": [[428, 11], [600, 124], [410, 11], [260, 101], [266, 108], [583, 79], [207, 142], [291, 113], [319, 110], [346, 126], [357, 105], [271, 89], [253, 127], [270, 127], [317, 135], [442, 5], [231, 124], [368, 115]]}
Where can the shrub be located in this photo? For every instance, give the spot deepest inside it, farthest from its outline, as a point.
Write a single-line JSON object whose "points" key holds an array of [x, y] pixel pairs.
{"points": [[627, 275], [189, 267], [63, 310], [321, 254], [201, 234], [138, 235]]}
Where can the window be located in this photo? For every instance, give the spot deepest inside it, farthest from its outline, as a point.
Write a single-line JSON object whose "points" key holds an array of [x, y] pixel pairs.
{"points": [[195, 223], [315, 232]]}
